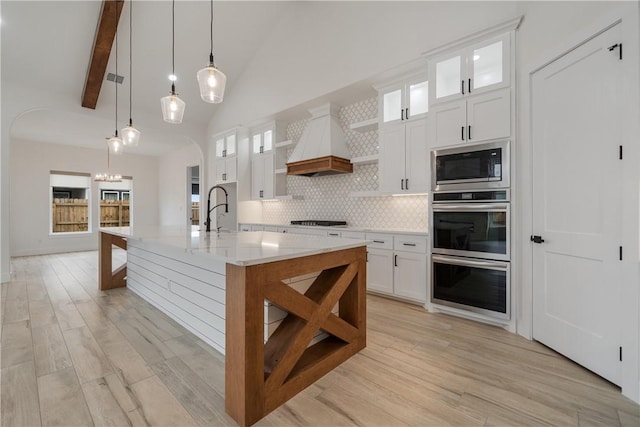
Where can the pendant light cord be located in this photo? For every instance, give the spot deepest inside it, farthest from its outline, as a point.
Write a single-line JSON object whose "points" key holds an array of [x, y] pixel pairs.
{"points": [[211, 51], [130, 58], [115, 80], [173, 45]]}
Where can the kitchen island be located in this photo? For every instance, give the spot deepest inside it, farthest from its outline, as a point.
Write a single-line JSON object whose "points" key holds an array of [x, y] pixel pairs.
{"points": [[284, 309]]}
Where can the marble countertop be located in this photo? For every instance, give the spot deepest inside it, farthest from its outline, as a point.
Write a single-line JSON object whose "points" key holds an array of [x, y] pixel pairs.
{"points": [[244, 248]]}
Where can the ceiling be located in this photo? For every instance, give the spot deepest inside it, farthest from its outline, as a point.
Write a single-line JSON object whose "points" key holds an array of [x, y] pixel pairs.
{"points": [[48, 44]]}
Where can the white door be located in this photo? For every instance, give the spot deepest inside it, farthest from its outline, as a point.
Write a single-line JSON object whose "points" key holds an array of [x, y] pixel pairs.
{"points": [[231, 169], [268, 176], [577, 205], [257, 177]]}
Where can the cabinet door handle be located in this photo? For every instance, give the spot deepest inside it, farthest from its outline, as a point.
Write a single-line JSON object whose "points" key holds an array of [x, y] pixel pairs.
{"points": [[462, 86], [462, 133], [378, 241], [409, 244], [469, 132], [469, 86], [406, 184], [395, 260], [224, 176], [261, 191], [261, 149], [406, 113], [224, 153], [402, 184]]}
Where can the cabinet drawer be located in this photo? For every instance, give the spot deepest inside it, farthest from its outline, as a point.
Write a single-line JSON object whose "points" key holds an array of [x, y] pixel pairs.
{"points": [[410, 243], [353, 235], [380, 241]]}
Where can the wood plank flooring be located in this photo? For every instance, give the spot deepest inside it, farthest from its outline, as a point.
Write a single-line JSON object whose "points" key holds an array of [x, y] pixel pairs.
{"points": [[73, 355]]}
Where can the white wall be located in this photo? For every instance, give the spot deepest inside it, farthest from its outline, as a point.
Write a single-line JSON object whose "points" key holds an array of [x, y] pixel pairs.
{"points": [[173, 183], [31, 163]]}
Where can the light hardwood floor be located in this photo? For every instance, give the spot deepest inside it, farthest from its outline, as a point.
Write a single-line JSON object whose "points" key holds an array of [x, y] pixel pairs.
{"points": [[73, 355]]}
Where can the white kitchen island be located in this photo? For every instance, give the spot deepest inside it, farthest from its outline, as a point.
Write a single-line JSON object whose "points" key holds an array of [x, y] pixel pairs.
{"points": [[261, 298]]}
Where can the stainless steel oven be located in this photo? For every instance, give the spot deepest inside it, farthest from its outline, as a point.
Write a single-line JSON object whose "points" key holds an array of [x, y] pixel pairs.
{"points": [[479, 286], [469, 167], [471, 224]]}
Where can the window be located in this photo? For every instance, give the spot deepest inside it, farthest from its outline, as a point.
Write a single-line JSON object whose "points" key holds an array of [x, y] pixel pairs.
{"points": [[115, 208], [70, 202]]}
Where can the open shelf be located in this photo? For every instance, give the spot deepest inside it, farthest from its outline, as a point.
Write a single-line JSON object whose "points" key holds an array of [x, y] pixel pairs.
{"points": [[365, 125], [283, 144], [365, 160]]}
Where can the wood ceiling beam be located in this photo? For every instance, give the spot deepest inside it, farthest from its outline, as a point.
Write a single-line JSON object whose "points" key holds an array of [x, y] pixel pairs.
{"points": [[102, 44]]}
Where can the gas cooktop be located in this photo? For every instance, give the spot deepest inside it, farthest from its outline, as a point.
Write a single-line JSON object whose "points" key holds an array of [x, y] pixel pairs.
{"points": [[318, 223]]}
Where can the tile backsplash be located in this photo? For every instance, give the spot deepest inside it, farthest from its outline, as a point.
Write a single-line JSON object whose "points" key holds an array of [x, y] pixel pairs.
{"points": [[328, 197]]}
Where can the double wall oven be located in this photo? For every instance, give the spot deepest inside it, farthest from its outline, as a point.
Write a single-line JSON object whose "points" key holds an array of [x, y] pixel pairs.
{"points": [[470, 229]]}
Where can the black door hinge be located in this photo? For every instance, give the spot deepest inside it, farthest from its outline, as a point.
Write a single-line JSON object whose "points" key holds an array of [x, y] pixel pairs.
{"points": [[617, 46], [620, 253], [621, 152], [621, 354]]}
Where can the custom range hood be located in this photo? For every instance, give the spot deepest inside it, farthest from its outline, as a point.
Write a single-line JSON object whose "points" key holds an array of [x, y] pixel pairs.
{"points": [[321, 149]]}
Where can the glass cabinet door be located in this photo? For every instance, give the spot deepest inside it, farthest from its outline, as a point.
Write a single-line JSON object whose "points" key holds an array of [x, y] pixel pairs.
{"points": [[231, 145], [267, 140], [392, 105], [489, 64], [257, 143], [220, 147], [448, 76], [418, 97]]}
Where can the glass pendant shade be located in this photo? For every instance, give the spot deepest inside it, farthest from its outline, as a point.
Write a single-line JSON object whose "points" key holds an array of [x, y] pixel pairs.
{"points": [[172, 108], [212, 83], [130, 136], [116, 147]]}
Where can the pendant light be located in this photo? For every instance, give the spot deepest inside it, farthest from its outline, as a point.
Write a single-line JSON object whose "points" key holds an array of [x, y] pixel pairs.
{"points": [[211, 80], [115, 143], [172, 106], [130, 135], [107, 177]]}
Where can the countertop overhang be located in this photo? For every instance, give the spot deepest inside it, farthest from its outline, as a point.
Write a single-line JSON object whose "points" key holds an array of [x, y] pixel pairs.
{"points": [[242, 249]]}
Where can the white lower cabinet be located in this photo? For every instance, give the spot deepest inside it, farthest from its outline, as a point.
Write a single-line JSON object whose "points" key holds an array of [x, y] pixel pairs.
{"points": [[410, 275], [397, 265], [380, 270]]}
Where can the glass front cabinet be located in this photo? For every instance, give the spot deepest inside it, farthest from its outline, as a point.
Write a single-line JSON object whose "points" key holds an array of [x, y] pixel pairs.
{"points": [[405, 99], [474, 69]]}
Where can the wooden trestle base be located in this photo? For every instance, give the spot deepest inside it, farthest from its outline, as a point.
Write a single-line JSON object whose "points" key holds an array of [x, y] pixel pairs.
{"points": [[261, 376], [109, 278]]}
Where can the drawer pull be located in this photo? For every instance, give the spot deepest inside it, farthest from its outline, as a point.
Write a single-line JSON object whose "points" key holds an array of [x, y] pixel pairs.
{"points": [[334, 234], [378, 241], [409, 244]]}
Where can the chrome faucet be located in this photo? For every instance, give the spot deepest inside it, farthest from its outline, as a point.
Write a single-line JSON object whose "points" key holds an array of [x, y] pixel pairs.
{"points": [[209, 208]]}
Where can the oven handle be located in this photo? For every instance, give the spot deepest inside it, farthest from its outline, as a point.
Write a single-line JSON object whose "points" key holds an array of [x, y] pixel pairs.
{"points": [[492, 207], [470, 263]]}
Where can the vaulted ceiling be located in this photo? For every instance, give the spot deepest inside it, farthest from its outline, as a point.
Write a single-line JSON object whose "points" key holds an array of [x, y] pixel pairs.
{"points": [[48, 45]]}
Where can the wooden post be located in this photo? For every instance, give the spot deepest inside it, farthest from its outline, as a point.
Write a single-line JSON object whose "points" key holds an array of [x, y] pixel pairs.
{"points": [[261, 376], [109, 278]]}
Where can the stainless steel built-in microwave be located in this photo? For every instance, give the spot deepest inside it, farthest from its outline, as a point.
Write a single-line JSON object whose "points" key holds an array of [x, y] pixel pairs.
{"points": [[480, 166]]}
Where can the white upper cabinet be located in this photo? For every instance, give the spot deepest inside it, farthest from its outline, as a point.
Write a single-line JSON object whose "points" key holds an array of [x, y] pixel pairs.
{"points": [[223, 156], [404, 151], [478, 68], [477, 118], [264, 137], [404, 99], [267, 164], [225, 144]]}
